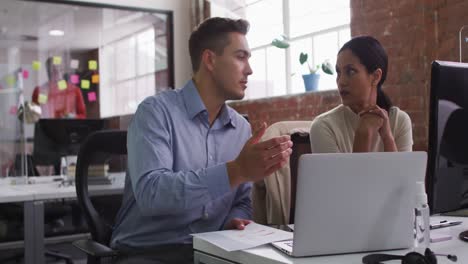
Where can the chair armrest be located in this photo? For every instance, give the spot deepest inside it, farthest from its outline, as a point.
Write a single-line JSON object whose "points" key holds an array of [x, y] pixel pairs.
{"points": [[94, 248]]}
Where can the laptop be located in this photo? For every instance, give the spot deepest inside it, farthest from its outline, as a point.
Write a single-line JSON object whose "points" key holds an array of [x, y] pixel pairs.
{"points": [[354, 202]]}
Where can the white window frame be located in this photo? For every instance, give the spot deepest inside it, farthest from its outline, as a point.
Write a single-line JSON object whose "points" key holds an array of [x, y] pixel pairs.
{"points": [[288, 58]]}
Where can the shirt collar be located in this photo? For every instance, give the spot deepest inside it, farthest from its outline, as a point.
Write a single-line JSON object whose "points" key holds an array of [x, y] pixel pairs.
{"points": [[194, 104]]}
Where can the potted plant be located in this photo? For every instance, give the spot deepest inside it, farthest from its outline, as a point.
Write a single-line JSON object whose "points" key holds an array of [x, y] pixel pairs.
{"points": [[311, 80]]}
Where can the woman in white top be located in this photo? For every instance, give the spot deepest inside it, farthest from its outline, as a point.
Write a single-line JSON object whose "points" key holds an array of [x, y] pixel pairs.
{"points": [[366, 121]]}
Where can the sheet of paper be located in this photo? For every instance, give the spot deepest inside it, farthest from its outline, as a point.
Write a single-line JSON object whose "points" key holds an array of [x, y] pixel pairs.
{"points": [[74, 64], [252, 236]]}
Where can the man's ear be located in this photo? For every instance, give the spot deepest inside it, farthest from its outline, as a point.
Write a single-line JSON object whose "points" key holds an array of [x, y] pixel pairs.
{"points": [[208, 59], [376, 77]]}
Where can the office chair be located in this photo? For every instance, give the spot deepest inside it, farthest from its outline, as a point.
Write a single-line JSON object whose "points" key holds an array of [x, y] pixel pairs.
{"points": [[271, 197], [301, 145], [111, 142]]}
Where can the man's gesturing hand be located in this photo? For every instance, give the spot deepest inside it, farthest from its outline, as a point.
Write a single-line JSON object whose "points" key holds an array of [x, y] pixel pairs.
{"points": [[259, 159]]}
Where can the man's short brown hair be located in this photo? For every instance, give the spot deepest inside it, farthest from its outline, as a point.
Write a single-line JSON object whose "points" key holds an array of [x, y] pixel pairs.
{"points": [[212, 34]]}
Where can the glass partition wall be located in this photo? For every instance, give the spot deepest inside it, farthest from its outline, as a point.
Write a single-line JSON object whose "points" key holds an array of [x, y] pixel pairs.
{"points": [[75, 60]]}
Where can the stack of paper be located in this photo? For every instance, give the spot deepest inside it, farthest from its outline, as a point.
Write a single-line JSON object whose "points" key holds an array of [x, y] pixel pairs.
{"points": [[253, 235]]}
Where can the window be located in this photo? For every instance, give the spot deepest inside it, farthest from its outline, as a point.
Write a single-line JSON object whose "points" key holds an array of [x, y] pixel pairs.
{"points": [[318, 28]]}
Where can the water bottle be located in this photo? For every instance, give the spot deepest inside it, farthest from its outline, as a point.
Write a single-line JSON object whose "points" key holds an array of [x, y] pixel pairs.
{"points": [[63, 167], [421, 219]]}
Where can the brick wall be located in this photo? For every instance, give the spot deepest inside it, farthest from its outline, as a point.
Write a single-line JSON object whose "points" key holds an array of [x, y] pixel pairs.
{"points": [[414, 32]]}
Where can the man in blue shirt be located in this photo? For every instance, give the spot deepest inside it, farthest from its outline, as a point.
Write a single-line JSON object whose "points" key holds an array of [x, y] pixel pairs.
{"points": [[191, 158]]}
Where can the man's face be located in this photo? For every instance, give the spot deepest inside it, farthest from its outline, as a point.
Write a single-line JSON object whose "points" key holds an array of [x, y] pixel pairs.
{"points": [[231, 69]]}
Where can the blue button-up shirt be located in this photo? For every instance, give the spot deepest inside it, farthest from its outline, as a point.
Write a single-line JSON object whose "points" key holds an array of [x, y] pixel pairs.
{"points": [[177, 182]]}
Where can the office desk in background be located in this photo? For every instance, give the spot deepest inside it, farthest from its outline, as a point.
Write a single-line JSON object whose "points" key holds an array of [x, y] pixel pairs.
{"points": [[207, 253], [33, 196]]}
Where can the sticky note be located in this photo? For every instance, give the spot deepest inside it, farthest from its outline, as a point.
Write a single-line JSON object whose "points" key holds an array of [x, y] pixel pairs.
{"points": [[57, 60], [25, 74], [10, 80], [36, 65], [74, 64], [42, 98], [84, 84], [92, 96], [92, 65], [13, 110], [95, 78], [62, 85], [74, 78]]}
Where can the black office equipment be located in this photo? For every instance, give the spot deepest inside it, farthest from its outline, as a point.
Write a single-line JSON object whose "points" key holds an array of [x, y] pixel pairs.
{"points": [[56, 138], [110, 142], [447, 171]]}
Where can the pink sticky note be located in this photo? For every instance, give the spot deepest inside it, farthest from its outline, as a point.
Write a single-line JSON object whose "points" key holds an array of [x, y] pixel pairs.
{"points": [[92, 96], [25, 74], [13, 110], [75, 79]]}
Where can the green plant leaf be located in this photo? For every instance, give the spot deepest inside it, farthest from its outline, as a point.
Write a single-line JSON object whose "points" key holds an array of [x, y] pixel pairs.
{"points": [[303, 57], [327, 67], [281, 44]]}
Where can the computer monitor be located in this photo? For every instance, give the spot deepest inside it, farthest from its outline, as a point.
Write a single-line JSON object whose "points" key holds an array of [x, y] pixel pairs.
{"points": [[447, 171], [55, 138]]}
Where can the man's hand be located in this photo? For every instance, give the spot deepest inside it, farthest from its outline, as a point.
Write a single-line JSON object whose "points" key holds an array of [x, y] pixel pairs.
{"points": [[258, 160], [237, 223]]}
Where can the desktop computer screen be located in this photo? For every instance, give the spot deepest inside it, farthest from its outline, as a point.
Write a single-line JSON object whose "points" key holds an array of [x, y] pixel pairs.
{"points": [[55, 138], [447, 171]]}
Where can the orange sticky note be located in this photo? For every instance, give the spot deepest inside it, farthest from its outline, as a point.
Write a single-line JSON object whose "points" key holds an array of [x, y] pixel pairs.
{"points": [[92, 65], [74, 64], [57, 60], [75, 79], [62, 85], [84, 84], [42, 98], [92, 96], [95, 78], [36, 65]]}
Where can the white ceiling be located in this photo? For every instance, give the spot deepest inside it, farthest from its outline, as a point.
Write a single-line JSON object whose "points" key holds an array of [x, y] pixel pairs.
{"points": [[26, 25]]}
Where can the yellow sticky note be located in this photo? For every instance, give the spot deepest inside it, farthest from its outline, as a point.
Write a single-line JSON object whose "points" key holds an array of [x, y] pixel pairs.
{"points": [[42, 98], [84, 84], [62, 85], [92, 65], [10, 80], [57, 60], [36, 65], [95, 78]]}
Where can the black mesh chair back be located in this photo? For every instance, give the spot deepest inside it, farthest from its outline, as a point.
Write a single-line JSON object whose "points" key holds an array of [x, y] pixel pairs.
{"points": [[111, 142]]}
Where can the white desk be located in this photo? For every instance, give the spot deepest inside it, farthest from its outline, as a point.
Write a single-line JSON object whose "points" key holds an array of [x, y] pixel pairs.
{"points": [[33, 197], [207, 253]]}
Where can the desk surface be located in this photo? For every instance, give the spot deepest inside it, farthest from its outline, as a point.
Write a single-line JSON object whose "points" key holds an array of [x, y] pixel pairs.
{"points": [[267, 254], [45, 188]]}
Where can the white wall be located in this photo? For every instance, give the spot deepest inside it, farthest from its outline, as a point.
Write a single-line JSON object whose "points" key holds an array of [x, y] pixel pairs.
{"points": [[181, 13]]}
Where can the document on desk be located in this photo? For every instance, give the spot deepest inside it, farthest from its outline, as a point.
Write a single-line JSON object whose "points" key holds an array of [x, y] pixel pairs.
{"points": [[252, 236]]}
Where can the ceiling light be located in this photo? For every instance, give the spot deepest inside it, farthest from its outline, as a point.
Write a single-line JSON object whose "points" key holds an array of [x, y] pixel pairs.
{"points": [[56, 33]]}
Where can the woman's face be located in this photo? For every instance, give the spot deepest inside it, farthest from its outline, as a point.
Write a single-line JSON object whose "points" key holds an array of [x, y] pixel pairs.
{"points": [[357, 87]]}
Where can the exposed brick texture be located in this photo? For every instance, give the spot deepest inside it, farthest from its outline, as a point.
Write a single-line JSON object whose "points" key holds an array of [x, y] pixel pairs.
{"points": [[414, 33]]}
